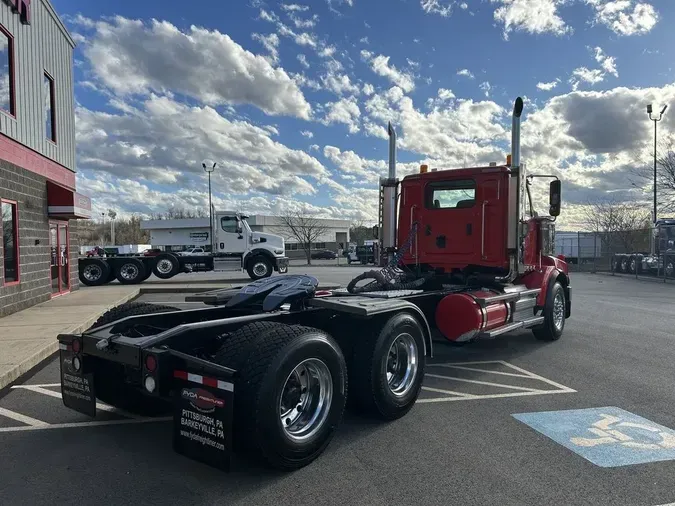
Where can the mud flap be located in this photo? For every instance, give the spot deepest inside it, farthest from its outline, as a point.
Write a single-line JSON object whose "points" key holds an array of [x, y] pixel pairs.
{"points": [[77, 388], [202, 419]]}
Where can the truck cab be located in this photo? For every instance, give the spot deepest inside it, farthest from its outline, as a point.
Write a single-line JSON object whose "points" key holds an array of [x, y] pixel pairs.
{"points": [[259, 253]]}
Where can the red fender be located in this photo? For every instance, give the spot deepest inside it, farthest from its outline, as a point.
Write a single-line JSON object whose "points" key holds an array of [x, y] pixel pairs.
{"points": [[551, 268]]}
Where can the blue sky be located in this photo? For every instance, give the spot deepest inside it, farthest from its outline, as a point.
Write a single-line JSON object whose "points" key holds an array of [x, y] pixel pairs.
{"points": [[290, 98]]}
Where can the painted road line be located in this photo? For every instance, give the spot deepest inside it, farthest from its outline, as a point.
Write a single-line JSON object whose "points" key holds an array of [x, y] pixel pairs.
{"points": [[488, 383], [75, 425], [462, 368], [42, 385], [57, 395], [540, 378], [449, 392], [491, 396], [607, 436], [33, 422]]}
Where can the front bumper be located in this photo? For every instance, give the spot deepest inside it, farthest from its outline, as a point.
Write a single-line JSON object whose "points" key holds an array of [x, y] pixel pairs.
{"points": [[281, 264]]}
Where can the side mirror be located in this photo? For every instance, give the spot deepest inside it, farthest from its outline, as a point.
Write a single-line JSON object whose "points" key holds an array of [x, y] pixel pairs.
{"points": [[376, 232], [554, 197]]}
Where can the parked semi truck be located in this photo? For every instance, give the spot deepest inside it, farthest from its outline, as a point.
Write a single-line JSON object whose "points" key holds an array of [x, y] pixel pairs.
{"points": [[659, 259], [268, 368], [259, 254]]}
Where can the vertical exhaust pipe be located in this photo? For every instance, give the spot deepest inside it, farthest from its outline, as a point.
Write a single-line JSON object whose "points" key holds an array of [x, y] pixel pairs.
{"points": [[514, 234], [388, 189], [515, 134], [392, 151]]}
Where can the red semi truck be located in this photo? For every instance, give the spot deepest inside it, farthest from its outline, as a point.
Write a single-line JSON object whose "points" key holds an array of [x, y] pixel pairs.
{"points": [[267, 369]]}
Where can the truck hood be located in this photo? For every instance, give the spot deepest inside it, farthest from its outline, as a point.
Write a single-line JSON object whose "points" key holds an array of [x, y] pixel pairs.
{"points": [[269, 241]]}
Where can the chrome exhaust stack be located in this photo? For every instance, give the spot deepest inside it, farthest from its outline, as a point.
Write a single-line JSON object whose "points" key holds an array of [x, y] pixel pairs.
{"points": [[516, 198], [388, 188]]}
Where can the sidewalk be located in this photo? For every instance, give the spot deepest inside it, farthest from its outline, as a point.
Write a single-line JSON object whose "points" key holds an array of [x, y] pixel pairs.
{"points": [[29, 336]]}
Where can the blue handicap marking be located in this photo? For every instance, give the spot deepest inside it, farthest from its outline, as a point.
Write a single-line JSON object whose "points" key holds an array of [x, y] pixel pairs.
{"points": [[607, 437]]}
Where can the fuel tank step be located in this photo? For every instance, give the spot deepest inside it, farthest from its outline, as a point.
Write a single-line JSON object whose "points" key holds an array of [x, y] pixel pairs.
{"points": [[525, 324]]}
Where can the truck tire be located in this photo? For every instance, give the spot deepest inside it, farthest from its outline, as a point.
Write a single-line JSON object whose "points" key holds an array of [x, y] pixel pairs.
{"points": [[387, 368], [130, 272], [165, 266], [554, 315], [93, 271], [259, 267], [615, 264], [109, 384], [236, 347], [286, 368], [130, 309], [624, 264], [111, 276]]}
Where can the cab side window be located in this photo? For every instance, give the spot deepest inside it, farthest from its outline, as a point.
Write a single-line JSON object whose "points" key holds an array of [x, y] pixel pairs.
{"points": [[459, 194], [229, 224]]}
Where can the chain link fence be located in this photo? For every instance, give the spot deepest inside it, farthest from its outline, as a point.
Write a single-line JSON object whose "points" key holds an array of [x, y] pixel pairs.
{"points": [[622, 252]]}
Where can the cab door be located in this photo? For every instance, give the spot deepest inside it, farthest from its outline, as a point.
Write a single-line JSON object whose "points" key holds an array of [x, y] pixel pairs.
{"points": [[493, 217], [231, 235], [450, 227]]}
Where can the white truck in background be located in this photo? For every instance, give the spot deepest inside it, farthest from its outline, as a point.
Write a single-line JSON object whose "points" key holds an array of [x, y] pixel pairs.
{"points": [[578, 247], [257, 253]]}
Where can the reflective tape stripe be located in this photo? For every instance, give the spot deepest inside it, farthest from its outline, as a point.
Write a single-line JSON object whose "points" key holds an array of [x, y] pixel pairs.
{"points": [[204, 380], [63, 346]]}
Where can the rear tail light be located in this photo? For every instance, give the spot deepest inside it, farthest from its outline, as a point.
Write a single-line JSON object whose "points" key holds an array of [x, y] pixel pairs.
{"points": [[150, 363], [76, 345]]}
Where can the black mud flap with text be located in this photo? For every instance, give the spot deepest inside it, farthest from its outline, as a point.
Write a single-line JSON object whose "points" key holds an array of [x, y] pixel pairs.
{"points": [[77, 388], [202, 420]]}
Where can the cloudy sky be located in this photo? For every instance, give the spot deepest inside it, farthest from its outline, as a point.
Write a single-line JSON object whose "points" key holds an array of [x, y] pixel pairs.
{"points": [[292, 99]]}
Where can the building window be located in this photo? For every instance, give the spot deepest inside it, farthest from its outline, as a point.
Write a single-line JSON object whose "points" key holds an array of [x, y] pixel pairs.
{"points": [[6, 71], [320, 245], [50, 108], [10, 241], [291, 246]]}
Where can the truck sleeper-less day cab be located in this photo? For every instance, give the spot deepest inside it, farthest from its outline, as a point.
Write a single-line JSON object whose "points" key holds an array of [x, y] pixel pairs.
{"points": [[257, 253], [659, 260], [268, 369]]}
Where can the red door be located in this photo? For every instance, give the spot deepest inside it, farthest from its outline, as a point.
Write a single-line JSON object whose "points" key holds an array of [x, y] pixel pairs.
{"points": [[59, 250]]}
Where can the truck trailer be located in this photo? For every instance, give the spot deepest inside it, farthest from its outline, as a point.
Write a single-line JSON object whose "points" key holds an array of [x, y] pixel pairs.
{"points": [[659, 260], [266, 370], [256, 253]]}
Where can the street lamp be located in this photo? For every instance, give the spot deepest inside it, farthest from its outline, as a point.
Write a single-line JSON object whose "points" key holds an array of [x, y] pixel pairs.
{"points": [[655, 120], [112, 214], [208, 167]]}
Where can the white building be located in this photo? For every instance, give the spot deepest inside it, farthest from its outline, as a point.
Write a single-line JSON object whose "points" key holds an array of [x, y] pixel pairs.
{"points": [[180, 234]]}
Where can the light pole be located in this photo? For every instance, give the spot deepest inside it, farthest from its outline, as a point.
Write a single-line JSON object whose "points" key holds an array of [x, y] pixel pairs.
{"points": [[112, 214], [655, 120], [208, 167]]}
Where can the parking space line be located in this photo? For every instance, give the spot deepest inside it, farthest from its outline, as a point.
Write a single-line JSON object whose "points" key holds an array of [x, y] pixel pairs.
{"points": [[43, 385], [480, 370], [488, 383], [57, 395], [83, 424], [491, 396], [32, 422], [449, 392], [540, 378]]}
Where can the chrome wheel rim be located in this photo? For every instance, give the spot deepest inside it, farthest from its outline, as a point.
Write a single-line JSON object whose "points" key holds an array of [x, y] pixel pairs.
{"points": [[92, 272], [632, 265], [260, 269], [129, 271], [306, 398], [669, 269], [402, 364], [164, 266], [558, 311]]}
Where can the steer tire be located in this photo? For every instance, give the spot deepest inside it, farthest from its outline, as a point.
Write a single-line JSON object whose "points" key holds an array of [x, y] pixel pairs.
{"points": [[549, 331], [165, 266], [130, 272], [371, 361], [264, 367], [254, 267], [93, 271]]}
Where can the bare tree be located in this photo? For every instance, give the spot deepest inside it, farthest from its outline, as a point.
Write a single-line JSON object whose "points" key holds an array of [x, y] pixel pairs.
{"points": [[643, 173], [618, 224], [302, 227], [359, 232]]}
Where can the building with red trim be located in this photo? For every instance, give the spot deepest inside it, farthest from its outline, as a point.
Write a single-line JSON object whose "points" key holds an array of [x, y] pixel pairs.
{"points": [[38, 197]]}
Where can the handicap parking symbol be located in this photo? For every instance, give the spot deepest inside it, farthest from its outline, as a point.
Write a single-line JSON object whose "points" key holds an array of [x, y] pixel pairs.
{"points": [[607, 437]]}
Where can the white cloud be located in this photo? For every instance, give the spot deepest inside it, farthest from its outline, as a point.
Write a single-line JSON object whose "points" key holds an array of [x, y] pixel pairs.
{"points": [[346, 111], [364, 40], [314, 147], [303, 60], [547, 86], [412, 63], [608, 63], [294, 7], [339, 84], [464, 6], [442, 8], [327, 51], [130, 57], [445, 94], [269, 42], [380, 65], [486, 87], [530, 16], [585, 75], [625, 17], [305, 23], [307, 133], [466, 73], [368, 89]]}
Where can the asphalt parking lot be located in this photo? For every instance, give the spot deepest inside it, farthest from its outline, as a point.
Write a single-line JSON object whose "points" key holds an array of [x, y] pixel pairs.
{"points": [[461, 444]]}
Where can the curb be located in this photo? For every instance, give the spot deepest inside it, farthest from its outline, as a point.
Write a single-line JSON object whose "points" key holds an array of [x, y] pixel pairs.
{"points": [[49, 349], [179, 289], [648, 279]]}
